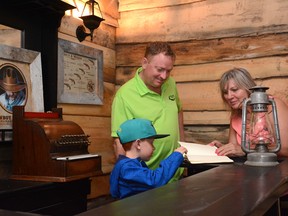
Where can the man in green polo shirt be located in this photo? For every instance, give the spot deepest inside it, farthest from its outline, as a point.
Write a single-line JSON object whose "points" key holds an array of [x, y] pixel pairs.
{"points": [[152, 94]]}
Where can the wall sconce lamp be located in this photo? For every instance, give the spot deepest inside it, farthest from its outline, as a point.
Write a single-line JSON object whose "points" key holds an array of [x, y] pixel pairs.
{"points": [[263, 140], [91, 22]]}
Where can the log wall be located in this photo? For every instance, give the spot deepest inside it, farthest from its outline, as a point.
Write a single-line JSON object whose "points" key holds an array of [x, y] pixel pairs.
{"points": [[209, 37]]}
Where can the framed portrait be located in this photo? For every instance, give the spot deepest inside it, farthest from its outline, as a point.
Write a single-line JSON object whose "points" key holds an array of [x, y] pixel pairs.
{"points": [[80, 74], [20, 82]]}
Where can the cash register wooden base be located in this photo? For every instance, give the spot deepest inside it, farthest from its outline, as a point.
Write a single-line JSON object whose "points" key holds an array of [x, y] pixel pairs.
{"points": [[233, 189]]}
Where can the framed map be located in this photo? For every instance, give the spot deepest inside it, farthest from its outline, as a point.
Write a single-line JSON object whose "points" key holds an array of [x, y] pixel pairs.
{"points": [[80, 72]]}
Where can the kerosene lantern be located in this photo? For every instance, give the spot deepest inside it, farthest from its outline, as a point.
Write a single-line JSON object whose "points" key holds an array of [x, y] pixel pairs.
{"points": [[259, 139]]}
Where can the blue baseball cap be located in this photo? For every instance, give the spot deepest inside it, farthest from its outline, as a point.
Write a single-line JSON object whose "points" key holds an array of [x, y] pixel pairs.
{"points": [[134, 129]]}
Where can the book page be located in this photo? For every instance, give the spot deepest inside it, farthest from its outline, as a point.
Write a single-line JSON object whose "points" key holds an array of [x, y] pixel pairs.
{"points": [[201, 153]]}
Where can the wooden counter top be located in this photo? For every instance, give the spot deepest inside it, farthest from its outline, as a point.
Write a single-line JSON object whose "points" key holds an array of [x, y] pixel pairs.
{"points": [[233, 189]]}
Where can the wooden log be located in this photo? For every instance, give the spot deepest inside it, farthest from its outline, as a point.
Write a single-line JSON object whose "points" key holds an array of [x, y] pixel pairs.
{"points": [[203, 20], [200, 96], [123, 74], [205, 96], [109, 75], [130, 54], [277, 88], [209, 51], [128, 5], [276, 66], [110, 8], [206, 118], [206, 134]]}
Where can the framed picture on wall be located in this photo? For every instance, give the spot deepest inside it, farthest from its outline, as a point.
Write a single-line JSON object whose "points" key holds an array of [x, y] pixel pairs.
{"points": [[20, 82], [80, 74]]}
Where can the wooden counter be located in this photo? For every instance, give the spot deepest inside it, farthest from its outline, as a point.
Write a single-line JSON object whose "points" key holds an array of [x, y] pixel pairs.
{"points": [[45, 198], [233, 189]]}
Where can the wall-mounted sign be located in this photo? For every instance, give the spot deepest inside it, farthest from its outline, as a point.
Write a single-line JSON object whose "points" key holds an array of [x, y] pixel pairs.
{"points": [[80, 70]]}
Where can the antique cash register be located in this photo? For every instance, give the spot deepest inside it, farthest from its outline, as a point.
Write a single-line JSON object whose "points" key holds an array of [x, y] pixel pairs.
{"points": [[48, 148]]}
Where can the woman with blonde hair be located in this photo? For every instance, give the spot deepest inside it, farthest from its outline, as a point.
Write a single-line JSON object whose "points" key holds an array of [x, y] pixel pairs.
{"points": [[235, 86]]}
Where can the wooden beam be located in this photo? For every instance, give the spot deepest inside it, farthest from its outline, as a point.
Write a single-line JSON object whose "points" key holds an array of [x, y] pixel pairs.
{"points": [[206, 118], [205, 96], [205, 134], [209, 51], [129, 5], [276, 66], [203, 20]]}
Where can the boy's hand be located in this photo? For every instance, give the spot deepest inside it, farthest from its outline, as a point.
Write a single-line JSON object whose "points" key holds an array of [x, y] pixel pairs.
{"points": [[181, 149]]}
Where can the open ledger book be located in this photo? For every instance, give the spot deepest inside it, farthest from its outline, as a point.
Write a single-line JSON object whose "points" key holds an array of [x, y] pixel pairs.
{"points": [[200, 153]]}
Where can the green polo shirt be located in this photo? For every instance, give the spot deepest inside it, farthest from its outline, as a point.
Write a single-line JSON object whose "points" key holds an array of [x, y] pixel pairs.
{"points": [[135, 100]]}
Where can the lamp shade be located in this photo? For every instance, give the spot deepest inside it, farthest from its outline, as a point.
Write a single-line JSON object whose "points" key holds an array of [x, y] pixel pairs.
{"points": [[91, 21]]}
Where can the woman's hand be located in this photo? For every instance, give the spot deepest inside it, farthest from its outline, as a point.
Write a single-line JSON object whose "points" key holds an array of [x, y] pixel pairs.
{"points": [[230, 150], [215, 143]]}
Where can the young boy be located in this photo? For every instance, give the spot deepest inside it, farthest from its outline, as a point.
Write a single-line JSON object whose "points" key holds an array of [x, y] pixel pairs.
{"points": [[131, 174]]}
